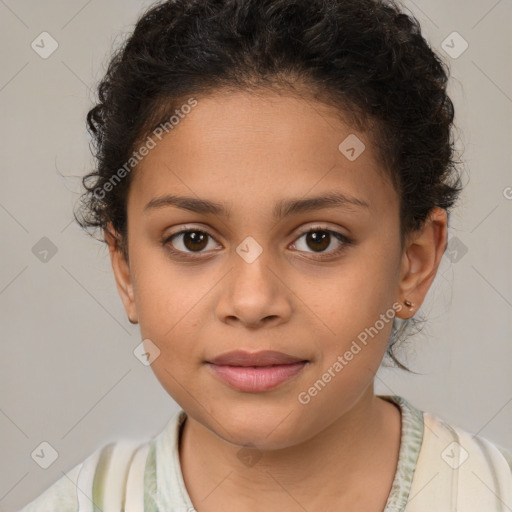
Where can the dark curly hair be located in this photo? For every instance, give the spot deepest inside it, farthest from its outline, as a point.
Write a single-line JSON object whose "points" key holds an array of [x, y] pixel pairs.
{"points": [[364, 58]]}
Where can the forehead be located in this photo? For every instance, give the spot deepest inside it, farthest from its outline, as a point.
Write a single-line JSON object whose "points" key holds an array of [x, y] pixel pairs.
{"points": [[247, 148]]}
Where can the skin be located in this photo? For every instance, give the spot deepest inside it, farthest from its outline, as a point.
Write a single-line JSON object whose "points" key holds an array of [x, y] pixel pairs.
{"points": [[249, 152]]}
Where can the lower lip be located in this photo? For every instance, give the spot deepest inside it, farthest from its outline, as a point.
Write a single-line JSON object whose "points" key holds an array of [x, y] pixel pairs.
{"points": [[253, 379]]}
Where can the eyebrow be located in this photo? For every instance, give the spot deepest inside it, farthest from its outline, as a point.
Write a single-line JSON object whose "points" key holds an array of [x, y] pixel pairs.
{"points": [[282, 208]]}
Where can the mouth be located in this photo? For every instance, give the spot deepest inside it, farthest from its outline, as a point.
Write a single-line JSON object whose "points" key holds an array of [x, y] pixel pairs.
{"points": [[256, 372]]}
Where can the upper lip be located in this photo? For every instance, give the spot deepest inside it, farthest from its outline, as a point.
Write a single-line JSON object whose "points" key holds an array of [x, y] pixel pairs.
{"points": [[262, 358]]}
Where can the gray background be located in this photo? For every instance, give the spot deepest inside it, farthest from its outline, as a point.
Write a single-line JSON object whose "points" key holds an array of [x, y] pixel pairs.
{"points": [[68, 373]]}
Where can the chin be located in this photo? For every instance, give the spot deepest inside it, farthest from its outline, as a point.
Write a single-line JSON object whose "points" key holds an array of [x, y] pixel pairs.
{"points": [[260, 425]]}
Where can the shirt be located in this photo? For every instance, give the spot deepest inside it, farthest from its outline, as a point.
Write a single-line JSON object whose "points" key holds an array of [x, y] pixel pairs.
{"points": [[440, 467]]}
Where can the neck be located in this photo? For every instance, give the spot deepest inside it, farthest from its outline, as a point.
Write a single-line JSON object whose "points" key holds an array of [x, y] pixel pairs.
{"points": [[361, 446]]}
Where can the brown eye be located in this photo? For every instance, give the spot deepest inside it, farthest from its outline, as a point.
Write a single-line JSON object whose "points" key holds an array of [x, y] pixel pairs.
{"points": [[195, 240], [318, 240], [192, 240]]}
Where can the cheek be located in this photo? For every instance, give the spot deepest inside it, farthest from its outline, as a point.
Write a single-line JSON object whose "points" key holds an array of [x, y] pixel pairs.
{"points": [[167, 306], [371, 279], [356, 306], [163, 290]]}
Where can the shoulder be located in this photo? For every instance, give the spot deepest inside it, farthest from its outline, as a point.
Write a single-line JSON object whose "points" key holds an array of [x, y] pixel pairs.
{"points": [[122, 473], [458, 467], [104, 473], [61, 496], [463, 445]]}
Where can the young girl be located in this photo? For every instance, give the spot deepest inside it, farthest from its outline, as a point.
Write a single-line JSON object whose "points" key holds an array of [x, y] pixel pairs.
{"points": [[274, 180]]}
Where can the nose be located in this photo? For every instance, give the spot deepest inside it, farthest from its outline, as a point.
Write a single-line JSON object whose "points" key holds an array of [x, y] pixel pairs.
{"points": [[254, 295]]}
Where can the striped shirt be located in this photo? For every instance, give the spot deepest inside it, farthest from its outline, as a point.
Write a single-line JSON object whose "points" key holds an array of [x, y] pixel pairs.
{"points": [[440, 468]]}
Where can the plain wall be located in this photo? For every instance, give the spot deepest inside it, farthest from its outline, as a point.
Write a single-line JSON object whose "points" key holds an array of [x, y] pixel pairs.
{"points": [[68, 373]]}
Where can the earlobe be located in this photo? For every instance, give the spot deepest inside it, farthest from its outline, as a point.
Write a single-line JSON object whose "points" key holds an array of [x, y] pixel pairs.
{"points": [[122, 273], [420, 261]]}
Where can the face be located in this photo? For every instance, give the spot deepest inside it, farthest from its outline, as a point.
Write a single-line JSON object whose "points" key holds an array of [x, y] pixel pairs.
{"points": [[248, 275]]}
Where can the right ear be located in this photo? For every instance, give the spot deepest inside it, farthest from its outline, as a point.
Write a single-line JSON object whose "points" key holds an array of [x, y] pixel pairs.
{"points": [[121, 270]]}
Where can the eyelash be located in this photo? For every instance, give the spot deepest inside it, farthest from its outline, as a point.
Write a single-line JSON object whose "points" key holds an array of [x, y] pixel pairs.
{"points": [[345, 241]]}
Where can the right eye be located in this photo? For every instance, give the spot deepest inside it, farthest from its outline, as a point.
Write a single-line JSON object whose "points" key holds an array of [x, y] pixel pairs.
{"points": [[188, 241]]}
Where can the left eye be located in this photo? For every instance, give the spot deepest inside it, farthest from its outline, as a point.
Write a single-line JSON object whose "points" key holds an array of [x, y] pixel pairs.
{"points": [[320, 239]]}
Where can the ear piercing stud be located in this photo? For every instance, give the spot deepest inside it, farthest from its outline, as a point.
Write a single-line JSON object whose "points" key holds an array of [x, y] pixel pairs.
{"points": [[409, 304]]}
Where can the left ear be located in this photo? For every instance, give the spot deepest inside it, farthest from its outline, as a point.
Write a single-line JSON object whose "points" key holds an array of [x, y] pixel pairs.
{"points": [[422, 256]]}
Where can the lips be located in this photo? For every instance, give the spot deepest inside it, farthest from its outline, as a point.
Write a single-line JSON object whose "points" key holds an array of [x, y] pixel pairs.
{"points": [[257, 371], [262, 358]]}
